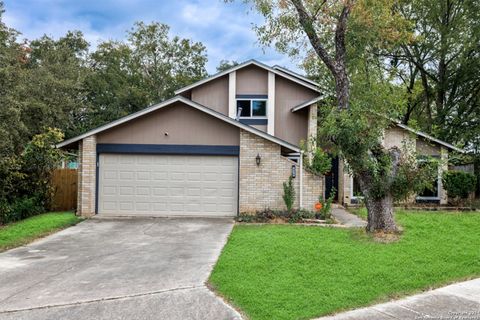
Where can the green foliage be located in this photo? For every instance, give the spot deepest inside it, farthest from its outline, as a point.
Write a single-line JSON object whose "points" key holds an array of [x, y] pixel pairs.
{"points": [[26, 190], [289, 194], [146, 69], [21, 208], [226, 64], [414, 175], [298, 215], [326, 210], [320, 163], [269, 215], [459, 184], [439, 68]]}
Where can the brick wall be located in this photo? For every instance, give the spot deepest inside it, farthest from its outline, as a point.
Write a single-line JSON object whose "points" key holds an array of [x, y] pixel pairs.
{"points": [[87, 176], [261, 187]]}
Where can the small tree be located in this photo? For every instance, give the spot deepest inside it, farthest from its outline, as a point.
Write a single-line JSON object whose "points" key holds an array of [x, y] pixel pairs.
{"points": [[40, 158], [459, 184], [289, 193]]}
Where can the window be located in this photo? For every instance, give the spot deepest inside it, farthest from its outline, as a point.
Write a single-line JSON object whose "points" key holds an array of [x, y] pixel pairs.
{"points": [[252, 108], [356, 192]]}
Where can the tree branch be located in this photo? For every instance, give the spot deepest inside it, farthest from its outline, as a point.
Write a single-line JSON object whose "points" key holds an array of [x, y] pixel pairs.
{"points": [[307, 23], [340, 31]]}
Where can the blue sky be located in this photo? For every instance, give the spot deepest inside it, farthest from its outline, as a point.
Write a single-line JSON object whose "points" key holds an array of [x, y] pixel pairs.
{"points": [[224, 28]]}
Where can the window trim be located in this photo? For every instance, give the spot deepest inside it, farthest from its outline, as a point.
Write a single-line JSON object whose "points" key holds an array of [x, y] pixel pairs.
{"points": [[251, 109], [439, 176]]}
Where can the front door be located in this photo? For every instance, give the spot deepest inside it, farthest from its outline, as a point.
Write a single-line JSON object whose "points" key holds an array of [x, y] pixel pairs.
{"points": [[331, 180]]}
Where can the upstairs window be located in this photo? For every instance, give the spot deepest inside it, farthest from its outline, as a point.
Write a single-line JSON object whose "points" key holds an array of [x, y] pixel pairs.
{"points": [[252, 108]]}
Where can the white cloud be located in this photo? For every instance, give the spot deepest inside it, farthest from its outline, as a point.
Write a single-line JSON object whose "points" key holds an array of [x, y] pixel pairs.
{"points": [[224, 28]]}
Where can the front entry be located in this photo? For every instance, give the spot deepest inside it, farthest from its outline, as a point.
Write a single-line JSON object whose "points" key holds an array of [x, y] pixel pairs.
{"points": [[331, 180]]}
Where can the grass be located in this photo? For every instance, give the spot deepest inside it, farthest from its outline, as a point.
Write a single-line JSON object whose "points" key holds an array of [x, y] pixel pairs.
{"points": [[25, 231], [298, 272]]}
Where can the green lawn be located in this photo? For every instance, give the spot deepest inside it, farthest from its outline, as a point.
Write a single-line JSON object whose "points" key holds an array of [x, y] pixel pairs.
{"points": [[22, 232], [295, 272]]}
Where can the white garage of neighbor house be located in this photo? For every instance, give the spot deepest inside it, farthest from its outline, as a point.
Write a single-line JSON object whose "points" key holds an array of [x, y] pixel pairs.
{"points": [[179, 158]]}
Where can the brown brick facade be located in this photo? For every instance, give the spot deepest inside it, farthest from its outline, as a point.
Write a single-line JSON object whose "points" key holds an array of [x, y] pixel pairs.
{"points": [[87, 176], [261, 187]]}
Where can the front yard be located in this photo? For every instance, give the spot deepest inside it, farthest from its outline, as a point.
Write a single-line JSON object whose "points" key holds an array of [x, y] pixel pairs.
{"points": [[297, 272], [22, 232]]}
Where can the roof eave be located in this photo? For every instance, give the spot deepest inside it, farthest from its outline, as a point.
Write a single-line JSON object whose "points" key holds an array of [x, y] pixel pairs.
{"points": [[429, 137], [305, 104]]}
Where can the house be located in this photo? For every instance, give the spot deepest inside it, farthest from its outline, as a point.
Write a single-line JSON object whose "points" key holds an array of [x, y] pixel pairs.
{"points": [[221, 146]]}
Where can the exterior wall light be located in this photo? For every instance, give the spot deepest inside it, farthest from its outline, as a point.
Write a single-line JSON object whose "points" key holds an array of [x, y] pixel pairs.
{"points": [[294, 171], [258, 159]]}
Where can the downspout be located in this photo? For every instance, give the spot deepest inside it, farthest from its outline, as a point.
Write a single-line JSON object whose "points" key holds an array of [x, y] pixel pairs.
{"points": [[301, 180]]}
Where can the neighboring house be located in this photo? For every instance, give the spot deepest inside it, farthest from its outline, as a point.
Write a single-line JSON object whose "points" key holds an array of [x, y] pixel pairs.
{"points": [[221, 146]]}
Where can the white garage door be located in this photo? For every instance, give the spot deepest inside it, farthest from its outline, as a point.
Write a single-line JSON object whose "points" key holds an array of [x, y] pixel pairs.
{"points": [[168, 185]]}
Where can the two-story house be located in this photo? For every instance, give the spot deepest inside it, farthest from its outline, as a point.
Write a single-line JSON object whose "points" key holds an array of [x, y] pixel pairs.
{"points": [[221, 146]]}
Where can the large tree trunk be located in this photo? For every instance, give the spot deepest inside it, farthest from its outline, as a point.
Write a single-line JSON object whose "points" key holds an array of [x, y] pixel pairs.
{"points": [[380, 214], [380, 208]]}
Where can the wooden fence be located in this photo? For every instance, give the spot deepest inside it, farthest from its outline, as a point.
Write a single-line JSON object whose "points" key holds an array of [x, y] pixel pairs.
{"points": [[64, 182]]}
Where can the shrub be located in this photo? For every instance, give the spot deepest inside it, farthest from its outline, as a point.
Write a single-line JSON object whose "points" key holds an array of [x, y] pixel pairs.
{"points": [[459, 184], [289, 194], [326, 210], [299, 215], [20, 208], [321, 162]]}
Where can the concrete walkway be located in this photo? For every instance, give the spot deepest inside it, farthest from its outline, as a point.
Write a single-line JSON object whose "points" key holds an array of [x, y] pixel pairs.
{"points": [[459, 301], [346, 218]]}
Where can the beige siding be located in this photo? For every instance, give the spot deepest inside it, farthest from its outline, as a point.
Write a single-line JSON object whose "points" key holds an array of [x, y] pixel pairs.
{"points": [[427, 148], [213, 94], [289, 126], [398, 137], [252, 80], [183, 124]]}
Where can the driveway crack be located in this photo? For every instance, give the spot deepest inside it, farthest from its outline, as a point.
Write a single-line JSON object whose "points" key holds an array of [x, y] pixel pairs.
{"points": [[78, 303]]}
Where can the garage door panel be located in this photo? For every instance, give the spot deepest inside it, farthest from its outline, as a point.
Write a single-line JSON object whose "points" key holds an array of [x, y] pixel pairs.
{"points": [[168, 185]]}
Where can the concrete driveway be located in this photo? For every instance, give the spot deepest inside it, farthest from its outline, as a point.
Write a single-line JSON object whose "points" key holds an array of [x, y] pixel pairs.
{"points": [[117, 269]]}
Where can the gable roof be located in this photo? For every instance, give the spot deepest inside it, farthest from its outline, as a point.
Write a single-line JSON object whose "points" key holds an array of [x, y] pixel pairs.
{"points": [[429, 137], [246, 64], [190, 103]]}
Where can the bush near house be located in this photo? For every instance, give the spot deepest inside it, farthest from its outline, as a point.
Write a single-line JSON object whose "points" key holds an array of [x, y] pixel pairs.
{"points": [[459, 184], [289, 193], [25, 189]]}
